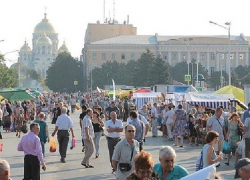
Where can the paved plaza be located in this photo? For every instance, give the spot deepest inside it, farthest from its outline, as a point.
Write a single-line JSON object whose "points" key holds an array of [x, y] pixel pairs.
{"points": [[73, 170]]}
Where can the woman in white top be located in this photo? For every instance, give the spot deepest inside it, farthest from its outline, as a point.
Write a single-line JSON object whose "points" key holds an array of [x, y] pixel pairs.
{"points": [[168, 119], [209, 157]]}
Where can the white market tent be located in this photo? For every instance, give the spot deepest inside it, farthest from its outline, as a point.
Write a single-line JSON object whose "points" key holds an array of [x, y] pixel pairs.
{"points": [[141, 98], [205, 99]]}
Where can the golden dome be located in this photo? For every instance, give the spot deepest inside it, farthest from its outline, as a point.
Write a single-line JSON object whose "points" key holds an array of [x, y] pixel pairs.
{"points": [[25, 48], [43, 39], [63, 48], [44, 26]]}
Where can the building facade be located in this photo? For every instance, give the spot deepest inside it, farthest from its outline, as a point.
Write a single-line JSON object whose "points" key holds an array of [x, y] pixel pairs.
{"points": [[44, 48], [211, 51]]}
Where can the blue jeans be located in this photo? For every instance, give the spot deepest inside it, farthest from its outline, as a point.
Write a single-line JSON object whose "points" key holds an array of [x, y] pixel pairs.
{"points": [[43, 149], [97, 139]]}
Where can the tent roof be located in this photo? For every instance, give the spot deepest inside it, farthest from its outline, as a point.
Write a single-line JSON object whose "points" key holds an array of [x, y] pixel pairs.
{"points": [[237, 92]]}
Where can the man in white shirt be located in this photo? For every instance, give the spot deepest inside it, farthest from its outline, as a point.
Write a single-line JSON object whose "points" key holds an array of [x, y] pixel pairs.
{"points": [[63, 125], [114, 128], [154, 116], [168, 119], [88, 135]]}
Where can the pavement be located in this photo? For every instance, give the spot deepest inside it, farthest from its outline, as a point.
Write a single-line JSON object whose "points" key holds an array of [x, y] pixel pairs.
{"points": [[73, 170]]}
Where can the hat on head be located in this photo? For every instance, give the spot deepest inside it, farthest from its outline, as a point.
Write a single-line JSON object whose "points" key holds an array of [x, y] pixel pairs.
{"points": [[233, 108], [242, 162]]}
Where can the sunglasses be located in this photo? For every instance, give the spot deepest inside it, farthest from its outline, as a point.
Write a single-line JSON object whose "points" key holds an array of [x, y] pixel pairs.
{"points": [[131, 131]]}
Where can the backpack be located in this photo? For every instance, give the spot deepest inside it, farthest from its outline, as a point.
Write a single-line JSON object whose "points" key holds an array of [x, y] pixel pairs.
{"points": [[199, 162]]}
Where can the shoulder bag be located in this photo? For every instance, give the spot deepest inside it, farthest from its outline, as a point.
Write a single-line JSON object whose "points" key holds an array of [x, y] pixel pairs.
{"points": [[126, 166], [239, 130]]}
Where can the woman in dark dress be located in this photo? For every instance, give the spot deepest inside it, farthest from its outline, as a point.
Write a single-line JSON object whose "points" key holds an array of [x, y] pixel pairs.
{"points": [[7, 114]]}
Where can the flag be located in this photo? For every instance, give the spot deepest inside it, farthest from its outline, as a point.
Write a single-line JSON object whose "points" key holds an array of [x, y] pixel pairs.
{"points": [[97, 88], [113, 89]]}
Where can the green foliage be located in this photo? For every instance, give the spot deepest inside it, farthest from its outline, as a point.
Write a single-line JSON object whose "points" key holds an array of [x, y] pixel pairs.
{"points": [[63, 72], [240, 76], [215, 80], [146, 71], [30, 73], [8, 77], [181, 69], [1, 58]]}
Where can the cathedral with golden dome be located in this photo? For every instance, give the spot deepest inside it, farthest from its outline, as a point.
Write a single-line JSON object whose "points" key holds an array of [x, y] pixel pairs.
{"points": [[44, 48]]}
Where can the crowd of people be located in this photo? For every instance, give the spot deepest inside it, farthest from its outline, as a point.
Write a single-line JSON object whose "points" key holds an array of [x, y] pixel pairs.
{"points": [[102, 116]]}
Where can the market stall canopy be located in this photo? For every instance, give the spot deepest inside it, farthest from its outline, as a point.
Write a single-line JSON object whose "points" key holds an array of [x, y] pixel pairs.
{"points": [[237, 92], [143, 90], [205, 99], [17, 95], [35, 93], [141, 98]]}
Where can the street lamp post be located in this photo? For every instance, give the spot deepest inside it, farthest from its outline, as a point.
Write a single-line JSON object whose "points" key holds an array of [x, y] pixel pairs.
{"points": [[188, 62], [197, 79], [229, 63]]}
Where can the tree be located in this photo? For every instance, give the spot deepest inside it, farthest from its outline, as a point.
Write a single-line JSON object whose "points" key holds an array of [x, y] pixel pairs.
{"points": [[160, 72], [215, 80], [63, 72], [8, 77], [144, 66], [179, 71], [240, 76]]}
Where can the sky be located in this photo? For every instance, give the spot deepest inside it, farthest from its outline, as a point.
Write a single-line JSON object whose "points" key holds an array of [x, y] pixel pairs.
{"points": [[70, 18]]}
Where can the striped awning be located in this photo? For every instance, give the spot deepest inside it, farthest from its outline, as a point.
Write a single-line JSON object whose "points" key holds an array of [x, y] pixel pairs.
{"points": [[226, 104]]}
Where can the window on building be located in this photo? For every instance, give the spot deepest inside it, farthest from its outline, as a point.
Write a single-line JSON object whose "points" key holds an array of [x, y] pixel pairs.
{"points": [[193, 57], [94, 56], [183, 56], [132, 56], [222, 56], [212, 70], [104, 56], [113, 56], [231, 56], [43, 51], [241, 56], [174, 56], [212, 57], [202, 57], [123, 56], [165, 57]]}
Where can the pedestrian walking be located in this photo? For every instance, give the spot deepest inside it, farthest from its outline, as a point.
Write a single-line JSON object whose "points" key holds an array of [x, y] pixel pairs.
{"points": [[88, 135], [216, 123], [63, 125], [124, 154], [179, 121], [139, 127], [82, 115], [114, 128], [44, 133], [31, 146], [247, 135], [98, 128], [154, 116]]}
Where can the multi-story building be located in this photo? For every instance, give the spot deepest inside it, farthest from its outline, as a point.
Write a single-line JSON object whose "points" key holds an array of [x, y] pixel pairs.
{"points": [[210, 51]]}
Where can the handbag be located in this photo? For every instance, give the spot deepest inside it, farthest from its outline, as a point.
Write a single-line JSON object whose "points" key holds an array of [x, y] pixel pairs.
{"points": [[239, 130], [24, 128], [126, 166], [52, 146]]}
